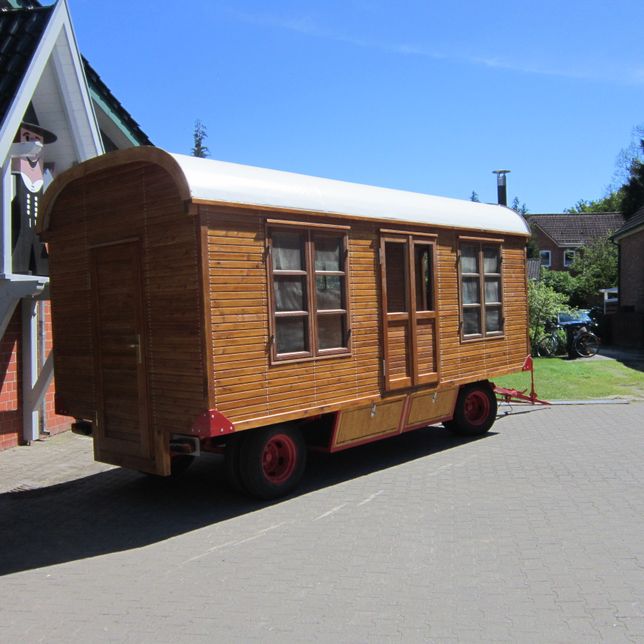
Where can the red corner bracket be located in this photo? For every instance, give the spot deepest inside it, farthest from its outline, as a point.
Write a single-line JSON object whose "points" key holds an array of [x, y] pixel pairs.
{"points": [[210, 424]]}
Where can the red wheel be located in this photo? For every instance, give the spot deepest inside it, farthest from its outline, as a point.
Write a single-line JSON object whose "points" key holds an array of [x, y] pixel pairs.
{"points": [[475, 410], [279, 458], [272, 461], [476, 407]]}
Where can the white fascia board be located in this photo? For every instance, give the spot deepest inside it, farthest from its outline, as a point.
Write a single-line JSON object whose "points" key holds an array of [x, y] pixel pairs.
{"points": [[233, 183], [118, 125], [59, 21], [74, 90]]}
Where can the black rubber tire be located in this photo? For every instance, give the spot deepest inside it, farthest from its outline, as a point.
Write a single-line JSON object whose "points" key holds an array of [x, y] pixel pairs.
{"points": [[272, 461], [475, 410], [232, 454], [587, 345]]}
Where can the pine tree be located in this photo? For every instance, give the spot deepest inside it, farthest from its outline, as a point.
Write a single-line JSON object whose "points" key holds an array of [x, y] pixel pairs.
{"points": [[199, 135]]}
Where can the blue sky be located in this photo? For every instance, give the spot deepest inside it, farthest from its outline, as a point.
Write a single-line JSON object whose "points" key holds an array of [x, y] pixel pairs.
{"points": [[418, 95]]}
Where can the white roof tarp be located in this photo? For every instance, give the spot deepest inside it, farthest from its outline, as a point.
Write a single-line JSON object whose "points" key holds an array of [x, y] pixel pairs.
{"points": [[220, 181]]}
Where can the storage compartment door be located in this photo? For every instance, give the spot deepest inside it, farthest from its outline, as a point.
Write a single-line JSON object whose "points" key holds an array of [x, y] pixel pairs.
{"points": [[122, 435]]}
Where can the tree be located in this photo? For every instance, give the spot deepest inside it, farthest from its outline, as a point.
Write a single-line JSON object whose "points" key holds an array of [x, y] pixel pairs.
{"points": [[475, 196], [628, 196], [595, 267], [543, 305], [632, 152], [633, 189], [563, 282], [612, 202], [517, 206], [199, 135], [532, 245]]}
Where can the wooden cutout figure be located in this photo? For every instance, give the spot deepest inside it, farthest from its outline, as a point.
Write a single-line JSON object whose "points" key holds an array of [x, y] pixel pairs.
{"points": [[29, 253]]}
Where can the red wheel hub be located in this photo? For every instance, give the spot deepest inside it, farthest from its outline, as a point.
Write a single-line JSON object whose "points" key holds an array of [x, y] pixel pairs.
{"points": [[476, 408], [279, 458]]}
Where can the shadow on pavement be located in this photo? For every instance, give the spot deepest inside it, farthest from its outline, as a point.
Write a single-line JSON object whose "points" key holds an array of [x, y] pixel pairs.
{"points": [[119, 509], [631, 358]]}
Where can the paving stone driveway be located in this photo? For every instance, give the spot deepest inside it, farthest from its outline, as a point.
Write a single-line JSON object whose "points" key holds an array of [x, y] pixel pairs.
{"points": [[534, 533]]}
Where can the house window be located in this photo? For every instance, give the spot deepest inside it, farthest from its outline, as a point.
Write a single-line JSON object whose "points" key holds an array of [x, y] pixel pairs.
{"points": [[308, 275], [568, 257], [544, 256], [481, 290]]}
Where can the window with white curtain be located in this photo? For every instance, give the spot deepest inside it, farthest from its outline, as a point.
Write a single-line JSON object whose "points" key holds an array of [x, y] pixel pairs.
{"points": [[309, 292], [481, 290]]}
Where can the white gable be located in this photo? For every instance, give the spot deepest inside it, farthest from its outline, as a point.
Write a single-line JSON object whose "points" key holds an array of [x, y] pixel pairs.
{"points": [[55, 83]]}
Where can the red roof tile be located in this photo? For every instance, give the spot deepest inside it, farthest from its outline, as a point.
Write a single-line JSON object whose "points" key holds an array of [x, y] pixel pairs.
{"points": [[576, 229]]}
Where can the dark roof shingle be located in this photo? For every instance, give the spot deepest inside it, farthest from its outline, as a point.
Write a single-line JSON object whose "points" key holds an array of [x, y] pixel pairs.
{"points": [[577, 229], [635, 221], [97, 84], [20, 33]]}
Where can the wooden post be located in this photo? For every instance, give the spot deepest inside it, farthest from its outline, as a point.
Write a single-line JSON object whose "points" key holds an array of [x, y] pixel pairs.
{"points": [[29, 370], [6, 196]]}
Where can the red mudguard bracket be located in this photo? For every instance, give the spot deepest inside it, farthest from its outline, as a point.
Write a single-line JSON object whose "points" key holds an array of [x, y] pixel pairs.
{"points": [[210, 424]]}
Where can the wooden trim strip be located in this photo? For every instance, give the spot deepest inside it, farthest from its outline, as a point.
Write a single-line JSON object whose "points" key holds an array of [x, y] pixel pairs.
{"points": [[205, 313], [415, 233], [127, 240], [480, 239], [305, 224]]}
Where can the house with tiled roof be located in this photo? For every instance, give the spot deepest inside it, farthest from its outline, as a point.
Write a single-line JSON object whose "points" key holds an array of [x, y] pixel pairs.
{"points": [[55, 111], [628, 326], [560, 236]]}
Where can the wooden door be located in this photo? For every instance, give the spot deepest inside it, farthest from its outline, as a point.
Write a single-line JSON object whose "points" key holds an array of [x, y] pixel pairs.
{"points": [[123, 428], [410, 322]]}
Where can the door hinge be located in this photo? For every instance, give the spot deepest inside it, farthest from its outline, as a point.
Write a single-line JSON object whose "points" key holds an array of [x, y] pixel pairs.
{"points": [[384, 368]]}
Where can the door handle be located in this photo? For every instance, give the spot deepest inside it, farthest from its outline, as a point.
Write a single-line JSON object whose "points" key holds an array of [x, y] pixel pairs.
{"points": [[137, 346]]}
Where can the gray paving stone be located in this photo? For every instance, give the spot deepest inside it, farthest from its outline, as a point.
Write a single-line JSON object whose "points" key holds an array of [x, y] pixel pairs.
{"points": [[532, 533]]}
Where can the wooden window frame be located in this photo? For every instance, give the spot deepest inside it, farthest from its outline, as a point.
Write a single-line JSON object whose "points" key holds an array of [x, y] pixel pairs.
{"points": [[481, 243], [310, 232], [412, 314]]}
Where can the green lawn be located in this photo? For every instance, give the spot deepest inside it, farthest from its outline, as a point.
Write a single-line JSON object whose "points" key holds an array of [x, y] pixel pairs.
{"points": [[582, 379]]}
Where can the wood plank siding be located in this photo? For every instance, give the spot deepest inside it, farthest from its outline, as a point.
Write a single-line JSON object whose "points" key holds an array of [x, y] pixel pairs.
{"points": [[246, 386], [197, 332], [133, 202], [252, 392]]}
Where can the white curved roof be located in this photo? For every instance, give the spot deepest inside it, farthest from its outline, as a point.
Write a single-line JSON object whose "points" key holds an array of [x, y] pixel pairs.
{"points": [[221, 181]]}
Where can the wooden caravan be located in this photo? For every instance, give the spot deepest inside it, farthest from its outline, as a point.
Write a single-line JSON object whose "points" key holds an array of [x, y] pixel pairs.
{"points": [[201, 305]]}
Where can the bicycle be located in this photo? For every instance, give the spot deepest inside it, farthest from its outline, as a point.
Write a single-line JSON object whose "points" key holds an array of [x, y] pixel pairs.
{"points": [[579, 342], [550, 344], [584, 343]]}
